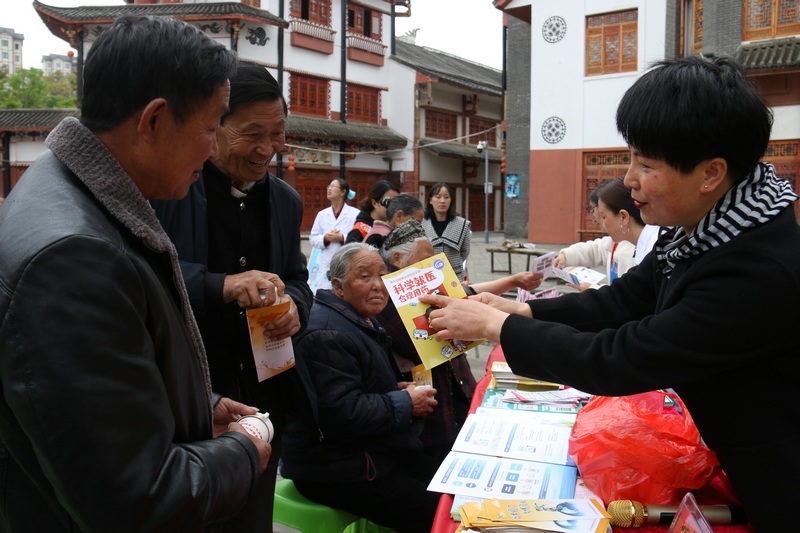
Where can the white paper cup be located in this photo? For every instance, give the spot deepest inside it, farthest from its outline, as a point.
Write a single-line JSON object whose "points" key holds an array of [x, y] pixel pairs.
{"points": [[258, 425]]}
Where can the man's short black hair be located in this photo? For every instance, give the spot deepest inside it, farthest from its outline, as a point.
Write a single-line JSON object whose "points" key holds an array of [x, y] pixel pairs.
{"points": [[253, 83], [141, 58]]}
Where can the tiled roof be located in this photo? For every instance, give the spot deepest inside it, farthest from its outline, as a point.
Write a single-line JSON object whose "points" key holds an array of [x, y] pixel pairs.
{"points": [[770, 54], [449, 68], [459, 150], [351, 131], [47, 119], [33, 119], [187, 12]]}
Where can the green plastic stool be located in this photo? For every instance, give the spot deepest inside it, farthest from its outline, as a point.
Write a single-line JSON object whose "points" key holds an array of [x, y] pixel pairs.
{"points": [[295, 510]]}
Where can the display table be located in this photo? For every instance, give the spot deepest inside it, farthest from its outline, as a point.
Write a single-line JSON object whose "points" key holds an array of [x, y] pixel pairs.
{"points": [[527, 252], [717, 491]]}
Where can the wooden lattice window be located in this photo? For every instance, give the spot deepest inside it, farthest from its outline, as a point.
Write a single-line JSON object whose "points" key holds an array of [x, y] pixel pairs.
{"points": [[692, 27], [599, 167], [364, 21], [439, 125], [764, 19], [363, 104], [482, 130], [612, 43], [308, 95], [318, 11]]}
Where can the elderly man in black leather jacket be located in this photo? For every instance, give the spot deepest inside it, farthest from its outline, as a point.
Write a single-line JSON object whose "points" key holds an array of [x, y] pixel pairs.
{"points": [[107, 420]]}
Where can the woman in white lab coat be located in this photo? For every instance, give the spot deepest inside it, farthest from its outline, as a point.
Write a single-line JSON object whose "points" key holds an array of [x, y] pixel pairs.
{"points": [[329, 231]]}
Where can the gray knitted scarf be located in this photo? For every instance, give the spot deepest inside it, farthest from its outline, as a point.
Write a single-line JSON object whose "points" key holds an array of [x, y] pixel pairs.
{"points": [[755, 200], [88, 158]]}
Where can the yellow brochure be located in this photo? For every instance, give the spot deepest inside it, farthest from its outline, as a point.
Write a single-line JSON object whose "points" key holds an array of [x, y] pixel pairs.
{"points": [[421, 376], [581, 515], [271, 357], [431, 275]]}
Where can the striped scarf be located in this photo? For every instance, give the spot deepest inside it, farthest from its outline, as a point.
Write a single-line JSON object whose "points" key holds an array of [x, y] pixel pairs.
{"points": [[752, 202]]}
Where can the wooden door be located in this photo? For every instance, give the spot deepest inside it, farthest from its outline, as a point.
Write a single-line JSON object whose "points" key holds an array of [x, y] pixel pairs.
{"points": [[599, 167], [477, 209]]}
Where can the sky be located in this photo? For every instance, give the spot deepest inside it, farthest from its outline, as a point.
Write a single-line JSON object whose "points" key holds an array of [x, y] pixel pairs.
{"points": [[472, 29], [452, 26], [20, 16]]}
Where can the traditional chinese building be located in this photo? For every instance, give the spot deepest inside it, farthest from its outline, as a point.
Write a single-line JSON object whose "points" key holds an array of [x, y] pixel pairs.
{"points": [[569, 64], [457, 104], [330, 57]]}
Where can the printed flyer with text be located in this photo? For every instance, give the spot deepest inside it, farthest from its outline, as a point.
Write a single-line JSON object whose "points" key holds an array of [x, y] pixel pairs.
{"points": [[433, 275]]}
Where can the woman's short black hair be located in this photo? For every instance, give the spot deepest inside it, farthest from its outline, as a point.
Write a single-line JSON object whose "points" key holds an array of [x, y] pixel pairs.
{"points": [[688, 110], [376, 193], [433, 191], [140, 58], [617, 196]]}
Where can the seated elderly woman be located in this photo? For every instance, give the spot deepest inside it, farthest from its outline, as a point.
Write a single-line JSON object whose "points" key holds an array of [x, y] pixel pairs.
{"points": [[364, 455], [405, 245]]}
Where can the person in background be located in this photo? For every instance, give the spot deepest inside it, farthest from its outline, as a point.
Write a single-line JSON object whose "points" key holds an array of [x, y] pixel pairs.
{"points": [[401, 208], [448, 232], [107, 419], [238, 238], [614, 211], [330, 227], [373, 208], [712, 309], [405, 245], [365, 456]]}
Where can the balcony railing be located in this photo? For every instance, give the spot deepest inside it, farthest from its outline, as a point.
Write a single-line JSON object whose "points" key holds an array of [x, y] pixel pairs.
{"points": [[366, 44], [313, 29]]}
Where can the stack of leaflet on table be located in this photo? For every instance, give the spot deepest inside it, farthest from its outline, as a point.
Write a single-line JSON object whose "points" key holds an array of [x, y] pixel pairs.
{"points": [[527, 515], [504, 379], [581, 492], [568, 397], [496, 399], [510, 454]]}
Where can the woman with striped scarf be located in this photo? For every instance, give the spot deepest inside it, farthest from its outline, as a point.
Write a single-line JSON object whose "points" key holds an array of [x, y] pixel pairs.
{"points": [[713, 312]]}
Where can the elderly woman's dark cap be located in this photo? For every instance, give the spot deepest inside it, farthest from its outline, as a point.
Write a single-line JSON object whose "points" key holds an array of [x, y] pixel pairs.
{"points": [[408, 231]]}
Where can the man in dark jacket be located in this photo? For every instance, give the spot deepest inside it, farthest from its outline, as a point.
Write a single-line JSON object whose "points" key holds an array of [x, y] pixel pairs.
{"points": [[238, 238], [106, 419]]}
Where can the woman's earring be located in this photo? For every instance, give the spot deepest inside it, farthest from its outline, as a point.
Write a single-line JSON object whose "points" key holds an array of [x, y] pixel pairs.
{"points": [[705, 186]]}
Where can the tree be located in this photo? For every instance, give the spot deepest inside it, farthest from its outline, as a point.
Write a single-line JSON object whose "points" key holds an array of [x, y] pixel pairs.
{"points": [[62, 89], [30, 89]]}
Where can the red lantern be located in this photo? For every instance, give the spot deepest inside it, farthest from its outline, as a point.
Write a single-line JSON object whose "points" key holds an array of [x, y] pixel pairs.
{"points": [[503, 165], [291, 164]]}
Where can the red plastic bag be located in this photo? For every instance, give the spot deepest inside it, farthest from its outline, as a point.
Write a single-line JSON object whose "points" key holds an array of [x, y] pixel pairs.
{"points": [[635, 448]]}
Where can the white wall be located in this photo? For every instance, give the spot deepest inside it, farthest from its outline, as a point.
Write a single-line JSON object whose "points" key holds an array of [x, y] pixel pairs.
{"points": [[586, 104], [399, 106], [26, 151], [786, 123]]}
